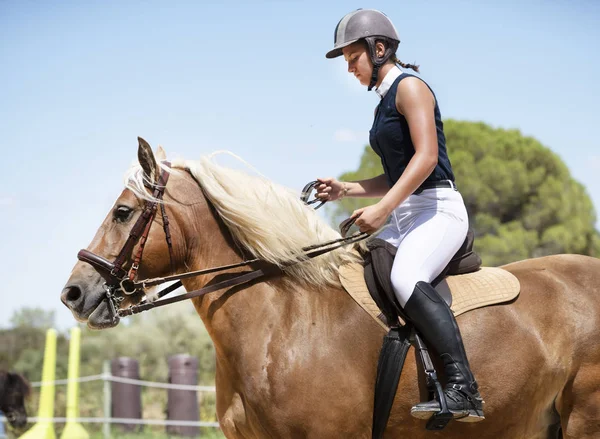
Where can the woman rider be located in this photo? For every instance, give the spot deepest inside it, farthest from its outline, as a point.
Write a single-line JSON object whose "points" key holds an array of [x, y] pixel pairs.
{"points": [[429, 220]]}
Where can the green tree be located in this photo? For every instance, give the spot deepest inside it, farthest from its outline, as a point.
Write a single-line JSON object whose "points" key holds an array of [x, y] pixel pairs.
{"points": [[521, 198], [22, 346], [33, 318]]}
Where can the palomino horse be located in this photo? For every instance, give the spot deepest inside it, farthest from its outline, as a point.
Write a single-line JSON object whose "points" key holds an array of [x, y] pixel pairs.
{"points": [[296, 356]]}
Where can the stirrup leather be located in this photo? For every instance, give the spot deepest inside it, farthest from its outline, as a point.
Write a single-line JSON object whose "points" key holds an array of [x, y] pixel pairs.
{"points": [[439, 420]]}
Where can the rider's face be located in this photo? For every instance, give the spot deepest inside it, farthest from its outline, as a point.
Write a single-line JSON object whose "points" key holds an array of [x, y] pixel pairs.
{"points": [[359, 62]]}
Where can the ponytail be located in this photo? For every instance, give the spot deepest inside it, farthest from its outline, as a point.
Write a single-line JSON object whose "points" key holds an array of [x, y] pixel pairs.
{"points": [[406, 66]]}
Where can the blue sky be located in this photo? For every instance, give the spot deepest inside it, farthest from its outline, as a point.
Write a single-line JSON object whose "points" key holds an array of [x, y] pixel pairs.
{"points": [[81, 80]]}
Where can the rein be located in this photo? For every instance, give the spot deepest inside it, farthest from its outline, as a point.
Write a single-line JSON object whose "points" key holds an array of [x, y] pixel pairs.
{"points": [[120, 283]]}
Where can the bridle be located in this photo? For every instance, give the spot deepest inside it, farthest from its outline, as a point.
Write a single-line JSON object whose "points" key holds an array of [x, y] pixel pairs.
{"points": [[120, 283], [116, 278]]}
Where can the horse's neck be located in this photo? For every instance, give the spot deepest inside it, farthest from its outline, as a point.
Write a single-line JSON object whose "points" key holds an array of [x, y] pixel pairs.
{"points": [[230, 313], [241, 320], [224, 312]]}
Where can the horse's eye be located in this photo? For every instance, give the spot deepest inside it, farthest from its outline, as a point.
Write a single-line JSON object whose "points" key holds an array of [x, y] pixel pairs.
{"points": [[122, 213]]}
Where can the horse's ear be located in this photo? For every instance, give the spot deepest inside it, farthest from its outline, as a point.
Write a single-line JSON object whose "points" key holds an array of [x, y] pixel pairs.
{"points": [[160, 154], [147, 160]]}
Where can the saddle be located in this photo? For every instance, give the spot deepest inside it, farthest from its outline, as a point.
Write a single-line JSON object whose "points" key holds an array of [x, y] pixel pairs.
{"points": [[378, 261]]}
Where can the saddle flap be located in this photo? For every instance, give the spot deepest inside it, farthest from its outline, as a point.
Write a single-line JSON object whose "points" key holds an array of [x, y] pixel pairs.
{"points": [[378, 263], [443, 290], [378, 266]]}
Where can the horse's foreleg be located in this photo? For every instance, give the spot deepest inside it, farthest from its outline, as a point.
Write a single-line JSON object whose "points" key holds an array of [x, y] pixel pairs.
{"points": [[233, 421], [579, 405]]}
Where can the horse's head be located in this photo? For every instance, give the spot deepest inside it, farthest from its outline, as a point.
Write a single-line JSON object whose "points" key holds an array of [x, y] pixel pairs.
{"points": [[214, 214], [14, 390], [114, 253]]}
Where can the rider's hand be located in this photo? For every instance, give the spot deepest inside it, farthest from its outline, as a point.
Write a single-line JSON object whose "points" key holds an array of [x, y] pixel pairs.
{"points": [[371, 218], [330, 189]]}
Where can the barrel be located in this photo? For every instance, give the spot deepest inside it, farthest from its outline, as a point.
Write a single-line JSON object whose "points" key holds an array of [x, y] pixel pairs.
{"points": [[182, 405], [126, 398]]}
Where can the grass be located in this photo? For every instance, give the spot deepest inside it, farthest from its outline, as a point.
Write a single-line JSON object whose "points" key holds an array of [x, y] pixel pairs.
{"points": [[154, 432]]}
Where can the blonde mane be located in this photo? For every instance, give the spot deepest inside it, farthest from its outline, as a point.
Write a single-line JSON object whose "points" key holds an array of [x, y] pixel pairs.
{"points": [[266, 219]]}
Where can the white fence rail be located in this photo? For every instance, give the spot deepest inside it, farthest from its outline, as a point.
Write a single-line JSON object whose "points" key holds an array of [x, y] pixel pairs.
{"points": [[106, 421], [108, 377]]}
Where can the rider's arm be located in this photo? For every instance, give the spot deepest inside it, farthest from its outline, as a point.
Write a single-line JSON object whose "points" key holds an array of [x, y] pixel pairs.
{"points": [[371, 187]]}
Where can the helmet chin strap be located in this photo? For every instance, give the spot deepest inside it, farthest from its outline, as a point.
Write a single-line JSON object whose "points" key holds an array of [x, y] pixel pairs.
{"points": [[390, 49]]}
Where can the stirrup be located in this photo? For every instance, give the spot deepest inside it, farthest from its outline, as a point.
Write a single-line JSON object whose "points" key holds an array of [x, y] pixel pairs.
{"points": [[439, 420]]}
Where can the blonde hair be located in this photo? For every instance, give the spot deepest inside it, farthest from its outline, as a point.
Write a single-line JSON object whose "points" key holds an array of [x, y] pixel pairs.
{"points": [[266, 219]]}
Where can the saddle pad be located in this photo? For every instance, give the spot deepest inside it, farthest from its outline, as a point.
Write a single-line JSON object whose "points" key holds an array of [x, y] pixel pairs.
{"points": [[488, 286]]}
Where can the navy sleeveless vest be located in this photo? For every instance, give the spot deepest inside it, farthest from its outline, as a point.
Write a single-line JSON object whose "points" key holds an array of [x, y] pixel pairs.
{"points": [[390, 138]]}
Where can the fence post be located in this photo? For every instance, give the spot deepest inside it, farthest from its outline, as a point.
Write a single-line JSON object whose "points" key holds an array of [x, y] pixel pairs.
{"points": [[182, 405], [73, 429], [126, 398], [107, 399], [44, 429]]}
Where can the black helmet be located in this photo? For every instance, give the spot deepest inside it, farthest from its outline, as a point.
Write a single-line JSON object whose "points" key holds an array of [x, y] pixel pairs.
{"points": [[370, 25]]}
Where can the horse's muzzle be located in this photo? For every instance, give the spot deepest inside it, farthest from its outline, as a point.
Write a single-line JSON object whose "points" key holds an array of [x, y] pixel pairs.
{"points": [[17, 420]]}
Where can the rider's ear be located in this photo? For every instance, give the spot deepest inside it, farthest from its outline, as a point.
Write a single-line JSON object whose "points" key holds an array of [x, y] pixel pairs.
{"points": [[160, 154], [147, 160]]}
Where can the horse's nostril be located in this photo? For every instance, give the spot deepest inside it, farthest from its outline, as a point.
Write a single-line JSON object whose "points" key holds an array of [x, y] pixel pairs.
{"points": [[70, 295]]}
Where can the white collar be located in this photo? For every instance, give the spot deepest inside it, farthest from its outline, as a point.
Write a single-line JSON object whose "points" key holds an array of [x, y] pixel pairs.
{"points": [[387, 82]]}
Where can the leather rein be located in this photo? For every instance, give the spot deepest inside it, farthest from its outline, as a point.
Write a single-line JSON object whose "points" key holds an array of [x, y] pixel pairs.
{"points": [[120, 282]]}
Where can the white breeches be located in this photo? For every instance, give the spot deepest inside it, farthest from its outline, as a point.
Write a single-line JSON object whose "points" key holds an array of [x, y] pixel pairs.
{"points": [[428, 229]]}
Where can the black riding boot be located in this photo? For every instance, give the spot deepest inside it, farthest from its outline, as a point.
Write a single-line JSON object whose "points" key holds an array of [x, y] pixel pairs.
{"points": [[436, 323]]}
